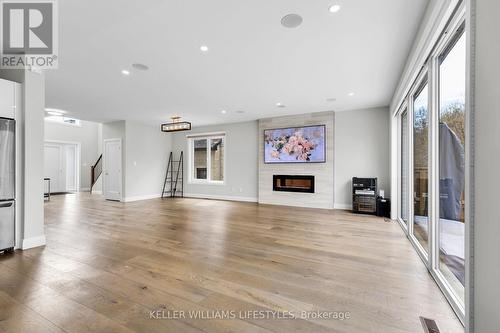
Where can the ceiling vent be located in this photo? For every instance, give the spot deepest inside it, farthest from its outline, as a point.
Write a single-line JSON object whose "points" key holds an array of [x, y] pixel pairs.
{"points": [[291, 21]]}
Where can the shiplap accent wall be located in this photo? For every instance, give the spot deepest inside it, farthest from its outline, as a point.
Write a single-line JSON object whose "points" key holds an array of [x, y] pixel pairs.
{"points": [[323, 172]]}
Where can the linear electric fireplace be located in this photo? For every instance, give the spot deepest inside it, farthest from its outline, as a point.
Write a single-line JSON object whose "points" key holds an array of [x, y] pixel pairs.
{"points": [[288, 183]]}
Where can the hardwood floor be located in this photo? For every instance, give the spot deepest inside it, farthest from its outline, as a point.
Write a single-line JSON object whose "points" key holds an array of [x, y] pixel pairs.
{"points": [[108, 264]]}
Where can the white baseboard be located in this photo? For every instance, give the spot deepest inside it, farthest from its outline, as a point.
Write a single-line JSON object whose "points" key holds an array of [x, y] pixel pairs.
{"points": [[141, 197], [84, 189], [220, 197], [342, 206], [29, 243]]}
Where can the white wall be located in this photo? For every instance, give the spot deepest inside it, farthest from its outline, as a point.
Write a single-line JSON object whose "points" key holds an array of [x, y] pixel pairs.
{"points": [[116, 130], [323, 172], [89, 137], [241, 161], [29, 185], [361, 150], [486, 165], [365, 154], [113, 130], [146, 159], [34, 104]]}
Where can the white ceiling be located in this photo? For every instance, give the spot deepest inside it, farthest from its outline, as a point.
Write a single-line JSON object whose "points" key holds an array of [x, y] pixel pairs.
{"points": [[252, 63]]}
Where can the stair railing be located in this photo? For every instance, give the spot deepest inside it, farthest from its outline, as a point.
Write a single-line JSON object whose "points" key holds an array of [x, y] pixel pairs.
{"points": [[95, 172]]}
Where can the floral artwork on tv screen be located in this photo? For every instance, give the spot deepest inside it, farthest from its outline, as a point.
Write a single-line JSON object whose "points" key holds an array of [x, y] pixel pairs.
{"points": [[295, 145]]}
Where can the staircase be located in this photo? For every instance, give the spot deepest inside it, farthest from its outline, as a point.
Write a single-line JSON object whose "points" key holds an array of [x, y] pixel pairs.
{"points": [[173, 186], [95, 172]]}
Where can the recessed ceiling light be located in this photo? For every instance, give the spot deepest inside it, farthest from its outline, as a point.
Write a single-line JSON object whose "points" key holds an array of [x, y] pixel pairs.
{"points": [[140, 67], [334, 8], [291, 21], [223, 112], [125, 72], [280, 105], [331, 99], [55, 112], [204, 48], [351, 94]]}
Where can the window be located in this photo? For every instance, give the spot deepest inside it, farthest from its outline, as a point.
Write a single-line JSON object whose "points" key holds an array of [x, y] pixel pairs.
{"points": [[421, 166], [451, 223], [207, 159], [200, 158], [64, 120]]}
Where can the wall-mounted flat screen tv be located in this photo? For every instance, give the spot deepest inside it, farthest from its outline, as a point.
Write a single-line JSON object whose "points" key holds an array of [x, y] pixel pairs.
{"points": [[295, 145]]}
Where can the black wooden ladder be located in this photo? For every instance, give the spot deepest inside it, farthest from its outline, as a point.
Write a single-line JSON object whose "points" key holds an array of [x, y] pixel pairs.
{"points": [[173, 186]]}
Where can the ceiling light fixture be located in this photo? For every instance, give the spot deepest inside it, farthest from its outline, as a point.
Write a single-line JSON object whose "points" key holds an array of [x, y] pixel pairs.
{"points": [[331, 99], [125, 72], [204, 48], [291, 21], [55, 112], [334, 8], [223, 112], [351, 94], [280, 105], [176, 125], [240, 111]]}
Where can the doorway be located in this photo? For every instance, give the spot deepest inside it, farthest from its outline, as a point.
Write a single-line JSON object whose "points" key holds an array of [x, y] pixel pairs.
{"points": [[62, 166], [112, 169]]}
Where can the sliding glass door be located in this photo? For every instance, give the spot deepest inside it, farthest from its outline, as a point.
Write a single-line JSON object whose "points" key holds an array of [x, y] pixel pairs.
{"points": [[421, 165], [451, 222], [432, 163]]}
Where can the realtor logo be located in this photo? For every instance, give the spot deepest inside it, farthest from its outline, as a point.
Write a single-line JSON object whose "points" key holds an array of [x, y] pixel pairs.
{"points": [[29, 34]]}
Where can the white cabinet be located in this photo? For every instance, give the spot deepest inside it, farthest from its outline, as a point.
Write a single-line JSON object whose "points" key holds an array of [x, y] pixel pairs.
{"points": [[7, 99]]}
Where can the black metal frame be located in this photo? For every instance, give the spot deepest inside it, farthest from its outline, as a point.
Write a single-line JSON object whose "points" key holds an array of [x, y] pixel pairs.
{"points": [[177, 130], [169, 177], [93, 177]]}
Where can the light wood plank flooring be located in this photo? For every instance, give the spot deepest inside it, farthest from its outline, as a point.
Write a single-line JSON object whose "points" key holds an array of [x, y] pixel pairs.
{"points": [[108, 264]]}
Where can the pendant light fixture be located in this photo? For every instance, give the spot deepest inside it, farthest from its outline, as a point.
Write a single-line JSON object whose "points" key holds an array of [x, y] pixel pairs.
{"points": [[176, 125]]}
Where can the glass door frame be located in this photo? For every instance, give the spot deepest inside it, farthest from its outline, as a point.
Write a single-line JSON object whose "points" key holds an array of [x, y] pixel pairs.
{"points": [[420, 82], [402, 110], [454, 28], [430, 74]]}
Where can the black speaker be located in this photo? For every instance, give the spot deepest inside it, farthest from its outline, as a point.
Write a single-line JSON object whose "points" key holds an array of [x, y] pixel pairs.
{"points": [[383, 207]]}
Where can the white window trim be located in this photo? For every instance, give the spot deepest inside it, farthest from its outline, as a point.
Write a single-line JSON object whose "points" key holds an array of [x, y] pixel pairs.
{"points": [[208, 137]]}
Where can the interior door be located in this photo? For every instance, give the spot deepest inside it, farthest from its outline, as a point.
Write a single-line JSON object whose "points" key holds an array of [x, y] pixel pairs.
{"points": [[71, 168], [112, 169], [53, 167]]}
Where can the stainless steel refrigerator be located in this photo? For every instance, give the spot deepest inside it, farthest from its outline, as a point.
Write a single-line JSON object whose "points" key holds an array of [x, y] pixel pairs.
{"points": [[7, 183]]}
